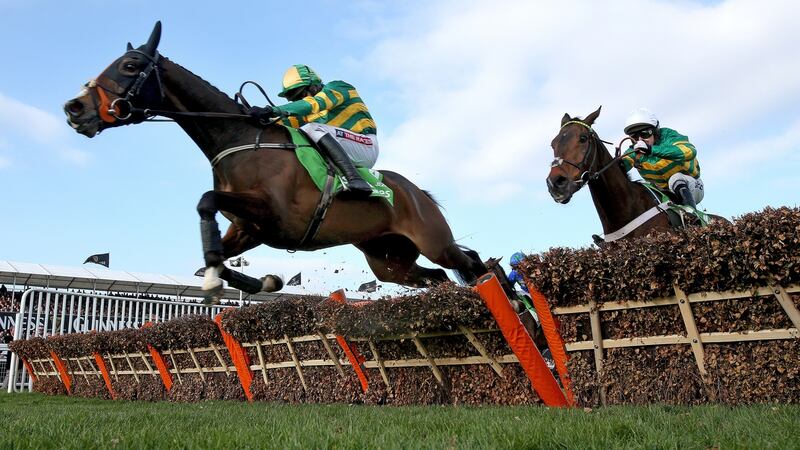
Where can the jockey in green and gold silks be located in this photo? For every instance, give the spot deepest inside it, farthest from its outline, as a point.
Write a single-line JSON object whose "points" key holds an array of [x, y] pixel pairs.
{"points": [[671, 154], [663, 157], [334, 117], [337, 103]]}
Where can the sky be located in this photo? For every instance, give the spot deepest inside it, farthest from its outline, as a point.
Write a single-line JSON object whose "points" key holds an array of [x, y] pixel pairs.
{"points": [[467, 96]]}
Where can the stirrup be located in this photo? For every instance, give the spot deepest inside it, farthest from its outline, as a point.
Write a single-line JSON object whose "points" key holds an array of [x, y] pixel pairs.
{"points": [[353, 187]]}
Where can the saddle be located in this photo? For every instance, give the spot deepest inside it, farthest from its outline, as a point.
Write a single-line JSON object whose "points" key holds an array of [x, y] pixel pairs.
{"points": [[679, 215], [319, 169]]}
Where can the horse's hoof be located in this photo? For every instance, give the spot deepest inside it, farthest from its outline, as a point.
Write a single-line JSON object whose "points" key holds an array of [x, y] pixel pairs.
{"points": [[212, 293], [212, 299], [271, 283]]}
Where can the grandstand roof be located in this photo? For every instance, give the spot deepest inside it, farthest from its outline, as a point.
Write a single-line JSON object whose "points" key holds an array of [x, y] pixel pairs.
{"points": [[101, 279]]}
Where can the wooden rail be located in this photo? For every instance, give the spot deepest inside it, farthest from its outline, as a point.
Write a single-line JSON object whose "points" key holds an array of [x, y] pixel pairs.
{"points": [[691, 337]]}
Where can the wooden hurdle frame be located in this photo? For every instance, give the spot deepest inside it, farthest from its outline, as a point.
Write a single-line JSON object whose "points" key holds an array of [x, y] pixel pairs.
{"points": [[168, 370], [696, 340], [81, 368]]}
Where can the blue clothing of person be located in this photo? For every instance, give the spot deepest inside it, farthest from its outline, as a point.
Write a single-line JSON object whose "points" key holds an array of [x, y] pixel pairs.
{"points": [[516, 278]]}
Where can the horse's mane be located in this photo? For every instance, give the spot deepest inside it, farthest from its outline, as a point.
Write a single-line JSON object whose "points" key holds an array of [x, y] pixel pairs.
{"points": [[210, 86], [618, 166]]}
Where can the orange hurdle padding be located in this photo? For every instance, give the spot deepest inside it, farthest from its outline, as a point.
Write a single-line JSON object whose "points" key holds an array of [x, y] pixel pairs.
{"points": [[62, 370], [161, 364], [104, 370], [350, 350], [554, 340], [30, 369], [520, 341], [239, 356]]}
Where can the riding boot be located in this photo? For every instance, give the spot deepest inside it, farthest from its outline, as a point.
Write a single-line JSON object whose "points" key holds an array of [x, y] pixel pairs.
{"points": [[685, 194], [335, 152]]}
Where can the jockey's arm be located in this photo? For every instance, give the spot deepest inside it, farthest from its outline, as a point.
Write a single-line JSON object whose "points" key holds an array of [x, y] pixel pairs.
{"points": [[627, 161], [307, 109], [675, 151]]}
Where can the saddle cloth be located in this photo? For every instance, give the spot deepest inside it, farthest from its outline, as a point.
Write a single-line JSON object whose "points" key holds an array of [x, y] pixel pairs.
{"points": [[674, 205], [317, 169]]}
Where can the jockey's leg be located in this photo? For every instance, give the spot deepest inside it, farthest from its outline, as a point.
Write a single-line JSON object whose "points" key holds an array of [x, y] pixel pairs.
{"points": [[688, 188], [682, 189], [336, 153]]}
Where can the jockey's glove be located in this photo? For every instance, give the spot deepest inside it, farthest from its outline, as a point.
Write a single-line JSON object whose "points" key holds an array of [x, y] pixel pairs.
{"points": [[643, 147], [263, 114]]}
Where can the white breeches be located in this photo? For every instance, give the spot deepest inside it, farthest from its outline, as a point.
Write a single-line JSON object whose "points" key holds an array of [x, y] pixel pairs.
{"points": [[695, 185], [361, 148]]}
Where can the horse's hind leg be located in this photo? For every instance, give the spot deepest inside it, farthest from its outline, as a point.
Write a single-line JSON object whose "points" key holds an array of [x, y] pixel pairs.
{"points": [[392, 259], [465, 262]]}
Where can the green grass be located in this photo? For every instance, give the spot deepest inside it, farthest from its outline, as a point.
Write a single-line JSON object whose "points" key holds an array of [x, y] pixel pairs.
{"points": [[38, 421]]}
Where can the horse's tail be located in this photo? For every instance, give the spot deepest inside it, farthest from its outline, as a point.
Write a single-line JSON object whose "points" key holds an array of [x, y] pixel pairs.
{"points": [[433, 199], [408, 185]]}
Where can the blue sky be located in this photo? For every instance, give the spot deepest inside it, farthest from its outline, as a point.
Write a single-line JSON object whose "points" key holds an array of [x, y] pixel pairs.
{"points": [[467, 96]]}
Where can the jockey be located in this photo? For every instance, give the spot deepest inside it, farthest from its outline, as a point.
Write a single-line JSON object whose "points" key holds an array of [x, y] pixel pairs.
{"points": [[333, 116], [514, 276], [663, 157]]}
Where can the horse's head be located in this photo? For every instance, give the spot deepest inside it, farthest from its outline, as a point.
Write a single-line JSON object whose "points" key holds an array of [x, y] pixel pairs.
{"points": [[575, 156], [121, 92]]}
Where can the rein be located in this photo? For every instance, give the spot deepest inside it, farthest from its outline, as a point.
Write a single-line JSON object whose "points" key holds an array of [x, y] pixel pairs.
{"points": [[114, 110], [587, 176], [114, 113]]}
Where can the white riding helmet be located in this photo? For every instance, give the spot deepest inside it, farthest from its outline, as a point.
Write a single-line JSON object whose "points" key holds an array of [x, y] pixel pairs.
{"points": [[640, 117]]}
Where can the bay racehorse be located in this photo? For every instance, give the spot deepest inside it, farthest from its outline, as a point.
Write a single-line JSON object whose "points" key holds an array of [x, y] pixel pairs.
{"points": [[627, 209], [266, 194]]}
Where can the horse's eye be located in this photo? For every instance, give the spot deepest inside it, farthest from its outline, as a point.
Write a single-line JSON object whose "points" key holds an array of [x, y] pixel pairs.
{"points": [[583, 138], [130, 66]]}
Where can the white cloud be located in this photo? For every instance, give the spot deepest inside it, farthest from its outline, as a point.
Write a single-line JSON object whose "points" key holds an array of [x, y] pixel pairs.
{"points": [[26, 126], [747, 157], [485, 84]]}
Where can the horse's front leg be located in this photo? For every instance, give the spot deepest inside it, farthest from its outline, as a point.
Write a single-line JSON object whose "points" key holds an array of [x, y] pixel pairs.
{"points": [[235, 242], [215, 250]]}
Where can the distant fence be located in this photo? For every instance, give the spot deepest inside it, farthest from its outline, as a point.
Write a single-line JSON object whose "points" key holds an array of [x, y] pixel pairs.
{"points": [[46, 312]]}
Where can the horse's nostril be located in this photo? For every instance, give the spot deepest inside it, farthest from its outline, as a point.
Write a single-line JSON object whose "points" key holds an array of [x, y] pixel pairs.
{"points": [[73, 108], [560, 181]]}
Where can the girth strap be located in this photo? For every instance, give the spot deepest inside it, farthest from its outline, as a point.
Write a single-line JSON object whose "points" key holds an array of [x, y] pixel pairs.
{"points": [[636, 223], [325, 199], [230, 151]]}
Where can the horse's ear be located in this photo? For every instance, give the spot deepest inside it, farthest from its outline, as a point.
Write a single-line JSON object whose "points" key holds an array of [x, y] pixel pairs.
{"points": [[152, 42], [130, 47], [565, 119], [589, 120]]}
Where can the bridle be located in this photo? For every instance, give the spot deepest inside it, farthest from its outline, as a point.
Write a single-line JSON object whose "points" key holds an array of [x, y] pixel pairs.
{"points": [[113, 111], [125, 96], [591, 151]]}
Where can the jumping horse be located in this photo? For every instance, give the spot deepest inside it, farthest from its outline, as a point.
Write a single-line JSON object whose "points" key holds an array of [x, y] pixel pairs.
{"points": [[263, 190], [627, 209]]}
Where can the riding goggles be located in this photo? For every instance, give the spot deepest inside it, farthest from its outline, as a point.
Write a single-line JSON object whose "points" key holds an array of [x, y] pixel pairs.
{"points": [[642, 134]]}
